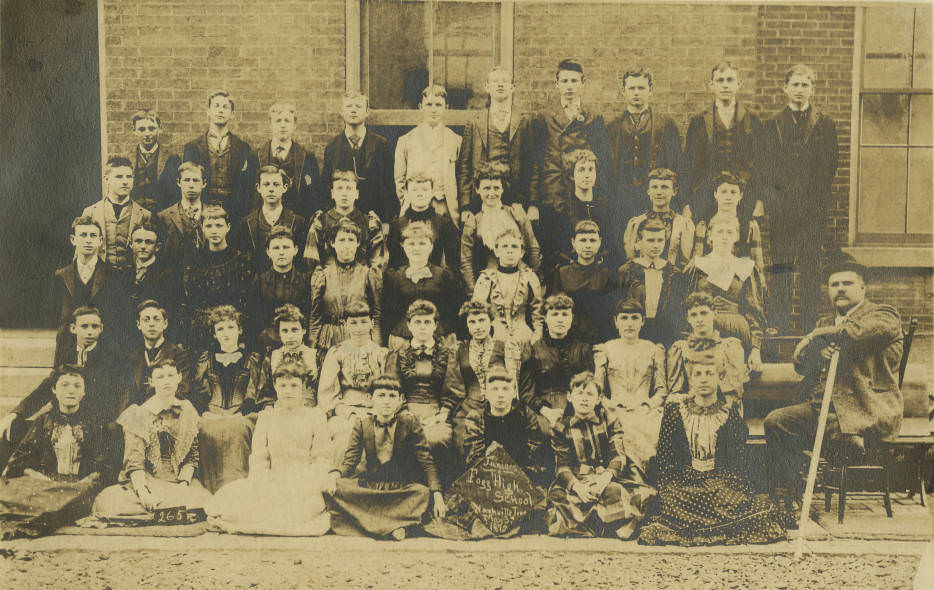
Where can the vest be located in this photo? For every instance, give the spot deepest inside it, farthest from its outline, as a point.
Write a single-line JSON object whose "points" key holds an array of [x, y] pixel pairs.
{"points": [[723, 144], [220, 184], [145, 171], [82, 294], [118, 235], [497, 144]]}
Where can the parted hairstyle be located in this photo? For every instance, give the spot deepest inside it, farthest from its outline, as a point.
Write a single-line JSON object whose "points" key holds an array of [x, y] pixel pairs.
{"points": [[585, 379], [284, 108], [151, 304], [189, 165], [85, 220], [509, 233], [663, 174], [722, 67], [649, 224], [728, 177], [629, 306], [165, 361], [800, 70], [571, 158], [705, 351], [491, 171], [498, 372], [434, 90], [288, 312], [214, 212], [147, 226], [419, 177], [569, 65], [67, 369], [223, 93], [416, 230], [344, 174], [347, 226], [279, 231], [146, 115], [357, 309], [223, 313], [86, 310], [289, 368], [638, 72], [273, 169], [421, 307], [116, 162], [557, 301], [586, 226]]}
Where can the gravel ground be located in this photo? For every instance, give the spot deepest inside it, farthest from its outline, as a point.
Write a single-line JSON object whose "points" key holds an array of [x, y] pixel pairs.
{"points": [[424, 569]]}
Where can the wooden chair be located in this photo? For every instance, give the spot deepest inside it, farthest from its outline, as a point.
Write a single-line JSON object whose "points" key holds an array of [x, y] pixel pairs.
{"points": [[878, 453]]}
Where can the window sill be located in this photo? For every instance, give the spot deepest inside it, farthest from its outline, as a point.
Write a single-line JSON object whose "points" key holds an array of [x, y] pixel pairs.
{"points": [[893, 256]]}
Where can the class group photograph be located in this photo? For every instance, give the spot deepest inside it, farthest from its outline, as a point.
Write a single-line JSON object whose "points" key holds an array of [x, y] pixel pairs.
{"points": [[462, 293]]}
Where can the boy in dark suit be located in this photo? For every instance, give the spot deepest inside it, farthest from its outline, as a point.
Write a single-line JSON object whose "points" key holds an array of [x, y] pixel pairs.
{"points": [[641, 140], [116, 213], [589, 282], [271, 183], [569, 127], [149, 277], [390, 494], [367, 154], [181, 222], [89, 281], [227, 160], [656, 284], [152, 321], [498, 134], [802, 152], [300, 165], [724, 136], [154, 166]]}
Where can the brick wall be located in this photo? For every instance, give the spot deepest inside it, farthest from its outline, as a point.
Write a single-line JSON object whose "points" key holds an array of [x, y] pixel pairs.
{"points": [[169, 55]]}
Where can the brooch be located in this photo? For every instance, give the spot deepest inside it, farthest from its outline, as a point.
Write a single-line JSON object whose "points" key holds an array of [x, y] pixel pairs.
{"points": [[580, 118]]}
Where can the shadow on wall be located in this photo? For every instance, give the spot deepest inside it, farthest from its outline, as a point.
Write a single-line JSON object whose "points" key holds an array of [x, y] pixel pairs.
{"points": [[50, 124]]}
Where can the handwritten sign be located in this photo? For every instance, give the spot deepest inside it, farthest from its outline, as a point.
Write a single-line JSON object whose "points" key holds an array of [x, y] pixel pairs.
{"points": [[497, 490], [177, 515]]}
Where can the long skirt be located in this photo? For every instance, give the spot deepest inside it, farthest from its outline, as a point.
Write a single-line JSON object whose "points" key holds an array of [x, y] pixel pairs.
{"points": [[360, 507], [225, 448], [119, 503], [32, 507], [287, 503], [712, 508], [616, 513], [640, 432]]}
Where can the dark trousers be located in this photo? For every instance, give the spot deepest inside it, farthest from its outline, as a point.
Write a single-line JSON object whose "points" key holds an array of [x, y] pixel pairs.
{"points": [[791, 244], [789, 432]]}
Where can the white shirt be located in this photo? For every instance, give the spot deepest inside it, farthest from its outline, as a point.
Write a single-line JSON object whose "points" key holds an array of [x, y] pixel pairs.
{"points": [[82, 354], [500, 116], [149, 152], [571, 109], [285, 147], [85, 271], [217, 142], [653, 283], [726, 113]]}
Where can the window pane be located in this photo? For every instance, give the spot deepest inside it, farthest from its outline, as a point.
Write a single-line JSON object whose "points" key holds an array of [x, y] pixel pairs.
{"points": [[882, 190], [919, 191], [888, 40], [398, 54], [922, 64], [465, 33], [885, 119], [399, 35], [920, 132]]}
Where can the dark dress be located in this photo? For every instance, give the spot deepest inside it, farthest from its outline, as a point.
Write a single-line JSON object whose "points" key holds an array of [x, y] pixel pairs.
{"points": [[445, 238], [704, 499], [591, 288], [440, 286], [215, 278], [390, 493]]}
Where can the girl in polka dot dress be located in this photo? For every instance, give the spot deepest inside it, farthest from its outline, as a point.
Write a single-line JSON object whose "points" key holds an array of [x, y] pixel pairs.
{"points": [[704, 499]]}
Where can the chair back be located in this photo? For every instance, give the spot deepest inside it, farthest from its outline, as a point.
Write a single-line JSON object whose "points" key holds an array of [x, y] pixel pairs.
{"points": [[909, 335]]}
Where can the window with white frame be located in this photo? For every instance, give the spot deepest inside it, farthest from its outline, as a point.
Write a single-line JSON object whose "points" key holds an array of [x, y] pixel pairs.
{"points": [[894, 198]]}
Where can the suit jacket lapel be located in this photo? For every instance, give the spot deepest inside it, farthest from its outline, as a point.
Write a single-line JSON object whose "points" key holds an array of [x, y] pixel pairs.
{"points": [[175, 214], [263, 157], [298, 161], [561, 118], [70, 276], [483, 126], [138, 362], [97, 279], [514, 121], [203, 147], [708, 124], [813, 118], [161, 156]]}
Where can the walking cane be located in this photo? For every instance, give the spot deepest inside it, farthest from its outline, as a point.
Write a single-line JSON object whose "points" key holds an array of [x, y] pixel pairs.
{"points": [[815, 457]]}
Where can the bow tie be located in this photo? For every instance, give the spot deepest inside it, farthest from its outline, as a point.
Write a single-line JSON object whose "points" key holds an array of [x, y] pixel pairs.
{"points": [[663, 215], [354, 141], [386, 424], [592, 418], [228, 358], [423, 350]]}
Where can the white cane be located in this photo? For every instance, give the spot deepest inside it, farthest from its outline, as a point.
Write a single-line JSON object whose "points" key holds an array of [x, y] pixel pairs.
{"points": [[815, 457]]}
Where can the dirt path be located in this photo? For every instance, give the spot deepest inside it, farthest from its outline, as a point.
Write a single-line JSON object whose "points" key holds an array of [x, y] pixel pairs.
{"points": [[423, 569]]}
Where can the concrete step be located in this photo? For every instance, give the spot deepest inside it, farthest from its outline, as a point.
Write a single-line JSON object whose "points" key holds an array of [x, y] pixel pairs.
{"points": [[27, 348], [16, 382]]}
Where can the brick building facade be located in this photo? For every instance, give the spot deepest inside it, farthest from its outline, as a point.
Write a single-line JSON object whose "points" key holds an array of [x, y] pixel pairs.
{"points": [[168, 55]]}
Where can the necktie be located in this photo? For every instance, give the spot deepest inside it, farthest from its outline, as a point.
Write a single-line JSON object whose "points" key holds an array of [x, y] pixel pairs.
{"points": [[280, 153], [383, 443], [152, 354], [82, 357], [355, 142]]}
